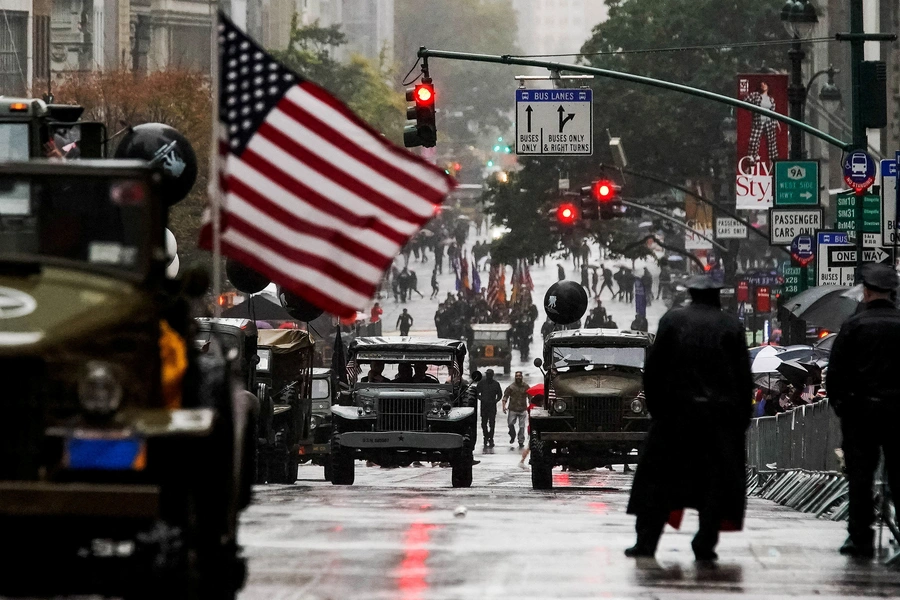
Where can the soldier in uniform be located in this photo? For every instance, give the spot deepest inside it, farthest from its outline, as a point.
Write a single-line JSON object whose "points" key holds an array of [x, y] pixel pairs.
{"points": [[864, 390], [698, 389]]}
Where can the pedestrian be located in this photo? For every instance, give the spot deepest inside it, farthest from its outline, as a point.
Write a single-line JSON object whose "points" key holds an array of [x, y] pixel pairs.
{"points": [[536, 402], [439, 257], [864, 391], [404, 322], [607, 282], [488, 393], [610, 324], [375, 314], [517, 398], [435, 289], [414, 285], [560, 272], [595, 279], [647, 281], [585, 252], [698, 389], [584, 276], [639, 323]]}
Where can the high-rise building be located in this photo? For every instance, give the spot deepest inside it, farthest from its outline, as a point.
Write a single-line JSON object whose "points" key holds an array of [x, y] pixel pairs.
{"points": [[556, 26]]}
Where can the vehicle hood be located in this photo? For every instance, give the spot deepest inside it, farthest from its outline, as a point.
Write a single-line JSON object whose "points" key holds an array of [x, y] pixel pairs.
{"points": [[600, 383], [55, 306]]}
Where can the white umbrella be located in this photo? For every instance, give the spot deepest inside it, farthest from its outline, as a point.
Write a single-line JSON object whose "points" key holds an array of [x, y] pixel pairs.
{"points": [[766, 361]]}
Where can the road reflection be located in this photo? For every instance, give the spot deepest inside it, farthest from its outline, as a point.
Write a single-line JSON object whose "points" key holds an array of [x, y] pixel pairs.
{"points": [[412, 574]]}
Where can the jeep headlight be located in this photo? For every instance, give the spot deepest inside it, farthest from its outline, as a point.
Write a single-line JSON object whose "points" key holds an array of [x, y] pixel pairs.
{"points": [[637, 406], [560, 406], [314, 422], [265, 357], [99, 390], [368, 407]]}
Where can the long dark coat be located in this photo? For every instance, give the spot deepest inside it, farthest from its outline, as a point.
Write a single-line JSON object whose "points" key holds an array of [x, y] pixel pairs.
{"points": [[698, 387]]}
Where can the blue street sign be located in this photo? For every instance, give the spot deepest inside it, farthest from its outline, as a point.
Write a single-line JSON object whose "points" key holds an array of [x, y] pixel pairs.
{"points": [[803, 250], [859, 170]]}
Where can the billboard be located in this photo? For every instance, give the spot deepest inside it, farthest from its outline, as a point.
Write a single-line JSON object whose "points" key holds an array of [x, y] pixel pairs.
{"points": [[698, 216], [760, 139]]}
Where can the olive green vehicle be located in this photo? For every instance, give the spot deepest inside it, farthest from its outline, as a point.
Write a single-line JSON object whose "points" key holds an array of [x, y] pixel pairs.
{"points": [[125, 455], [283, 384], [27, 125], [594, 413]]}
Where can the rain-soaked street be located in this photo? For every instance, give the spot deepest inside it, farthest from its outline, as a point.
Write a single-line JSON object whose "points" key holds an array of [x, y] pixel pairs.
{"points": [[394, 535]]}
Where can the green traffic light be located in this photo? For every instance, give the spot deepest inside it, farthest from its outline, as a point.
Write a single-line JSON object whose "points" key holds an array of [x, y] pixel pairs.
{"points": [[508, 150], [499, 139], [490, 163], [496, 148]]}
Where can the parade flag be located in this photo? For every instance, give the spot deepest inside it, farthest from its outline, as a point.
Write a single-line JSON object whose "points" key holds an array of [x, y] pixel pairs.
{"points": [[308, 194]]}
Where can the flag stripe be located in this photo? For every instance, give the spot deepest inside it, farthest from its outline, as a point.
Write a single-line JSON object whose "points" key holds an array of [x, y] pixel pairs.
{"points": [[327, 108], [306, 203], [309, 241], [360, 153], [344, 179], [288, 275], [417, 204]]}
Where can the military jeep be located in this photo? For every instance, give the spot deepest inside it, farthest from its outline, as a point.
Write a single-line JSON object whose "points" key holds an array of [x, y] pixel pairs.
{"points": [[324, 393], [124, 453], [284, 376], [28, 124], [418, 409], [594, 414], [491, 345]]}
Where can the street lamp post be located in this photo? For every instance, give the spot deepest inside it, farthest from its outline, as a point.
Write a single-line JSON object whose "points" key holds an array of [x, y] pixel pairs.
{"points": [[799, 17]]}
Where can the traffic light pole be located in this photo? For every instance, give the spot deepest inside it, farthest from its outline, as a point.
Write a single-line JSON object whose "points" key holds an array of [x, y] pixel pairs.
{"points": [[673, 220], [506, 59]]}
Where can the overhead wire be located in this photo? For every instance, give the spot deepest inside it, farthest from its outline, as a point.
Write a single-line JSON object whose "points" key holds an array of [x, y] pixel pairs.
{"points": [[405, 82], [817, 40]]}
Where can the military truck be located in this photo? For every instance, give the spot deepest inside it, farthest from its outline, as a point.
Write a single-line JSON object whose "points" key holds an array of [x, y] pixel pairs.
{"points": [[594, 414], [28, 125], [419, 408], [125, 455], [284, 381], [491, 345]]}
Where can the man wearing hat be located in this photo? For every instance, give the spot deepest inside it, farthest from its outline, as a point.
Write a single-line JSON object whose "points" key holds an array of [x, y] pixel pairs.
{"points": [[864, 390], [698, 388]]}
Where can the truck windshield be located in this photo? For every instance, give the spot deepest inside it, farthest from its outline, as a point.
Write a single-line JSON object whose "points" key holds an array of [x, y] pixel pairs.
{"points": [[13, 141], [564, 356], [98, 222]]}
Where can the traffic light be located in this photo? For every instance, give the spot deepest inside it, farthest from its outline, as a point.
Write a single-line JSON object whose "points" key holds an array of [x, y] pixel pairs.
{"points": [[604, 190], [424, 131], [567, 214], [590, 208]]}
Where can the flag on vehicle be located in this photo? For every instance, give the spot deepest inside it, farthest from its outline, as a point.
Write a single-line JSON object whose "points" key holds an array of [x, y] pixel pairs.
{"points": [[309, 194]]}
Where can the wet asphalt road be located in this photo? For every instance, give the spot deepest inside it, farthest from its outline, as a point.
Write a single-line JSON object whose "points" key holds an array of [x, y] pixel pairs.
{"points": [[393, 535]]}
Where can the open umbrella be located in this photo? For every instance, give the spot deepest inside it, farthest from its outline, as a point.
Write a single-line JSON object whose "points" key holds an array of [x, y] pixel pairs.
{"points": [[793, 371], [766, 361], [799, 352], [264, 308], [536, 390], [824, 345], [824, 306]]}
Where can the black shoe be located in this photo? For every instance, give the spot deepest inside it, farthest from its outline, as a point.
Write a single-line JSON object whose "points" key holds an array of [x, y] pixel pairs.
{"points": [[512, 439], [492, 443], [476, 462], [851, 549], [521, 446], [705, 555], [639, 551]]}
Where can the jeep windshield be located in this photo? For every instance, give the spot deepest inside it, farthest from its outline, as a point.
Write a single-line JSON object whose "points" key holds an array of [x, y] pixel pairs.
{"points": [[321, 389], [406, 368], [13, 141], [565, 357], [490, 336], [89, 222]]}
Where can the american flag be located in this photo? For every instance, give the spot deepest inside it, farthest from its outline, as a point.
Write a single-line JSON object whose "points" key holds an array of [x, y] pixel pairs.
{"points": [[310, 195]]}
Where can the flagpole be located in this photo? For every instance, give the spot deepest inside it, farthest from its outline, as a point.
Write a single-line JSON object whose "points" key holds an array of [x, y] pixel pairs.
{"points": [[214, 189]]}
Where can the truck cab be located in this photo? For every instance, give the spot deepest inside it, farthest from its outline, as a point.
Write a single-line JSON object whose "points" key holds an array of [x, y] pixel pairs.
{"points": [[594, 414], [27, 125]]}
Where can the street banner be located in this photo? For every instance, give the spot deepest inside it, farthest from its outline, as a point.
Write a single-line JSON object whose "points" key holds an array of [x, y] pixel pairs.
{"points": [[760, 139], [699, 217]]}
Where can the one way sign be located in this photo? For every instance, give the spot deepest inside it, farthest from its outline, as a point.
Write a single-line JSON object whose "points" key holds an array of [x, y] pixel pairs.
{"points": [[842, 257]]}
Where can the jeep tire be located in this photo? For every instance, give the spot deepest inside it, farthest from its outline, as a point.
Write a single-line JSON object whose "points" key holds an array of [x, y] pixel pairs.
{"points": [[462, 470], [342, 465], [541, 465]]}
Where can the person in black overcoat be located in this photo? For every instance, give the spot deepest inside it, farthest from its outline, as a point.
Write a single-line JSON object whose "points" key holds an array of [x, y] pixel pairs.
{"points": [[864, 390], [699, 391]]}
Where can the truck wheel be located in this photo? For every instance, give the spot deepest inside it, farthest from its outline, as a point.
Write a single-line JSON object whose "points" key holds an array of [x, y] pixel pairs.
{"points": [[342, 465], [328, 468], [541, 466], [462, 471]]}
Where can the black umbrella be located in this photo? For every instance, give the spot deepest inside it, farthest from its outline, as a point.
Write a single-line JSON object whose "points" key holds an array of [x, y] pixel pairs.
{"points": [[823, 346], [826, 306], [793, 371], [259, 307]]}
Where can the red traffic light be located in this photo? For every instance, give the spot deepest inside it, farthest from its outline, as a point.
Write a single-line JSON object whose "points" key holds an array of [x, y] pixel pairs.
{"points": [[603, 190], [424, 94], [567, 213]]}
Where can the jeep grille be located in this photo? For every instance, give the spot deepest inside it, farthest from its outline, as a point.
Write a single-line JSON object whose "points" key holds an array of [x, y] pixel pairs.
{"points": [[597, 413], [401, 414]]}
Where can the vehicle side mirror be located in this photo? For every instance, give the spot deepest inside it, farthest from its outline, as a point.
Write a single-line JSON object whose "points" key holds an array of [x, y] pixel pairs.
{"points": [[476, 376], [538, 362]]}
